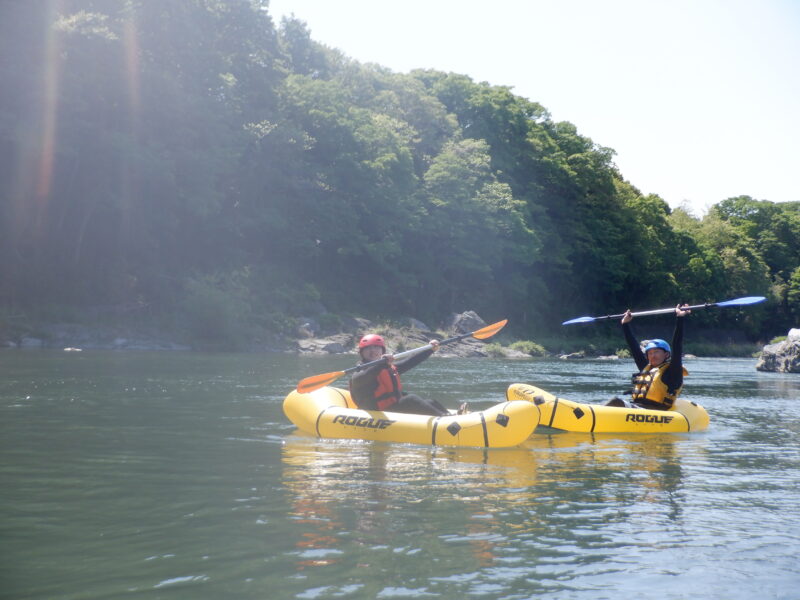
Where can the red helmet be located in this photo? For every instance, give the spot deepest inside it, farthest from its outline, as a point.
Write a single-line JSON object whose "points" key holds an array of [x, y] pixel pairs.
{"points": [[371, 339]]}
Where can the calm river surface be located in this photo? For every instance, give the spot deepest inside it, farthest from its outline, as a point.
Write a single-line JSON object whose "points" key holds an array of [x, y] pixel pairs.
{"points": [[176, 475]]}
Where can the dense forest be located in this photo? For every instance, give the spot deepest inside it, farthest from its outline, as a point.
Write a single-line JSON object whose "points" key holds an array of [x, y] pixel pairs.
{"points": [[194, 164]]}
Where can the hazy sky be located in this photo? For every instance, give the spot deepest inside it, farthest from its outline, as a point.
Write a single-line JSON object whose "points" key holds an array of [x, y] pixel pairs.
{"points": [[700, 99]]}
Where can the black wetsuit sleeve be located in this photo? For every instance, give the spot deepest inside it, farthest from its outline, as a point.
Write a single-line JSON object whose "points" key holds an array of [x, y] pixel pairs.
{"points": [[673, 374], [412, 361], [636, 350]]}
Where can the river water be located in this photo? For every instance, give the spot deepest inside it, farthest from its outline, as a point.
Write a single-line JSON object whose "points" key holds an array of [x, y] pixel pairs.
{"points": [[176, 475]]}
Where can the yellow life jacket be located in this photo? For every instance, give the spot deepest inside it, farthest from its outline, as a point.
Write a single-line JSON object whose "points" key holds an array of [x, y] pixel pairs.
{"points": [[650, 391]]}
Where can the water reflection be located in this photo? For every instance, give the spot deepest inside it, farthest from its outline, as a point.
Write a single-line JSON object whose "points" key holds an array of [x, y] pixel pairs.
{"points": [[382, 496], [575, 498], [778, 385]]}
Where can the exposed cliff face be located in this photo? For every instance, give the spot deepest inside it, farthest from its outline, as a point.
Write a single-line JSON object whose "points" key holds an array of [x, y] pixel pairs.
{"points": [[783, 357]]}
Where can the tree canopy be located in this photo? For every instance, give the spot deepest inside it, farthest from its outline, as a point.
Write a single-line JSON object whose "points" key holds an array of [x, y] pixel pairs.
{"points": [[193, 158]]}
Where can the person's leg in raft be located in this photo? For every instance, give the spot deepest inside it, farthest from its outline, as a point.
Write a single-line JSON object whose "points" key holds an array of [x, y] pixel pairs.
{"points": [[413, 404]]}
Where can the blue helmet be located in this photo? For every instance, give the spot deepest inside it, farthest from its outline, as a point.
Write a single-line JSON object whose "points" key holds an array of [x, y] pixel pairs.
{"points": [[657, 344]]}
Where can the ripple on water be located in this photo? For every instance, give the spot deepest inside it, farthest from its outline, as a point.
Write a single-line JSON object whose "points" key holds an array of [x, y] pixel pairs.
{"points": [[180, 475]]}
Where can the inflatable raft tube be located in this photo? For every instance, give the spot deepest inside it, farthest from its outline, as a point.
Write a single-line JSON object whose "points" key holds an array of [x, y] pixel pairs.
{"points": [[560, 413], [330, 413]]}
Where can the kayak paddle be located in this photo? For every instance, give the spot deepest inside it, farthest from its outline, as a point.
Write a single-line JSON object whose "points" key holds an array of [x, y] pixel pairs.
{"points": [[309, 384], [663, 311]]}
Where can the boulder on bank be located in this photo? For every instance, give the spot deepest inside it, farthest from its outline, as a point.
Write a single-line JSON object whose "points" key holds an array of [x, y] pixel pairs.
{"points": [[783, 357], [464, 322]]}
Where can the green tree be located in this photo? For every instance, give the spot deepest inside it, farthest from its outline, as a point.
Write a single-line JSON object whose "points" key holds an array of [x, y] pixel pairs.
{"points": [[773, 228], [793, 295], [471, 229], [190, 153]]}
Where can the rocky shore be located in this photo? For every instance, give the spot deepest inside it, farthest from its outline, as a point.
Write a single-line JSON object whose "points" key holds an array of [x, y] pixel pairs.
{"points": [[76, 337], [309, 338], [411, 333]]}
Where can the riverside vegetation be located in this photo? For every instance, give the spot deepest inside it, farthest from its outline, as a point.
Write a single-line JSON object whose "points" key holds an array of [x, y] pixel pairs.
{"points": [[195, 171]]}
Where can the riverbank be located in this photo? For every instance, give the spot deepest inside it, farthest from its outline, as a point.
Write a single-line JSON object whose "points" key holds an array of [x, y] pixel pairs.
{"points": [[309, 337]]}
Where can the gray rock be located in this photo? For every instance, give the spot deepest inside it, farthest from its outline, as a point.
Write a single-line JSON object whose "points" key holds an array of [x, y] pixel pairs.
{"points": [[305, 331], [783, 357], [416, 324], [336, 344], [464, 322], [357, 325], [334, 348], [308, 327]]}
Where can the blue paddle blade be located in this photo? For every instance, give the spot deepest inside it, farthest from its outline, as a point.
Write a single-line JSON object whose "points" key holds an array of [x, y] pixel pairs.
{"points": [[742, 301], [579, 320]]}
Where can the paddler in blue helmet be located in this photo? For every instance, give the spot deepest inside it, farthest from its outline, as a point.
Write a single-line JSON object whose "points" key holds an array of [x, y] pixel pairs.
{"points": [[660, 378]]}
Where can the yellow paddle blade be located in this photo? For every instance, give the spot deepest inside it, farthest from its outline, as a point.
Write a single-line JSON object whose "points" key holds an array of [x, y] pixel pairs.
{"points": [[309, 384], [489, 330]]}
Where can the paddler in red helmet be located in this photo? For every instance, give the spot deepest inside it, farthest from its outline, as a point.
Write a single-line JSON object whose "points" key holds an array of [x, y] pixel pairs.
{"points": [[378, 387]]}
